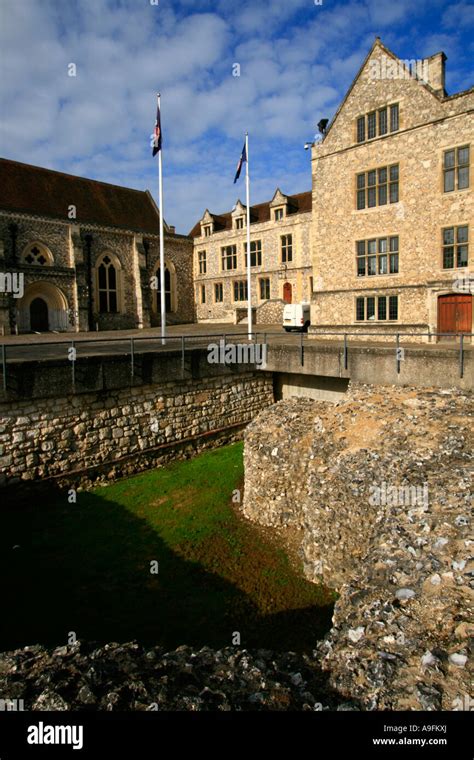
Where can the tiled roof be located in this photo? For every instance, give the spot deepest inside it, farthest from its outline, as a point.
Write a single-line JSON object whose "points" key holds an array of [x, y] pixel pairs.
{"points": [[43, 192], [297, 204]]}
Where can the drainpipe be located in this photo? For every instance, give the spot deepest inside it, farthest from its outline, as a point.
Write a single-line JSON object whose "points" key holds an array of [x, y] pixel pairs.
{"points": [[13, 227], [90, 313]]}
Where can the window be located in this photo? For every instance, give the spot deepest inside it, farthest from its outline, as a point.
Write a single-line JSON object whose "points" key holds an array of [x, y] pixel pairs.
{"points": [[371, 125], [286, 248], [377, 186], [170, 289], [229, 257], [240, 290], [456, 169], [239, 223], [264, 288], [376, 123], [37, 254], [207, 230], [455, 247], [203, 294], [255, 253], [376, 308], [218, 292], [202, 262], [361, 129], [379, 256], [107, 286], [278, 214], [394, 118]]}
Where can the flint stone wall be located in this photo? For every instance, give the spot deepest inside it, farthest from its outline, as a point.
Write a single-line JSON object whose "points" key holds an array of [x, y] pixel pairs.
{"points": [[403, 569]]}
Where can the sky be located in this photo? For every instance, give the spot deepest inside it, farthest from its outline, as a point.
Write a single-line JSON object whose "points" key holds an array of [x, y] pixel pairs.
{"points": [[297, 59]]}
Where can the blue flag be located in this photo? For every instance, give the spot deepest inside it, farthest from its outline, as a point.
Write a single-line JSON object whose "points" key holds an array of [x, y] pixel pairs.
{"points": [[243, 157], [157, 133]]}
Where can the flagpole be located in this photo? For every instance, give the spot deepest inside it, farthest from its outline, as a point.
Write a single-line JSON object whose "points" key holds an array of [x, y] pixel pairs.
{"points": [[162, 249], [249, 289]]}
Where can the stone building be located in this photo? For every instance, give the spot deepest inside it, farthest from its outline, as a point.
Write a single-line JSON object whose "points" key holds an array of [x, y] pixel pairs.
{"points": [[393, 225], [280, 257], [77, 254]]}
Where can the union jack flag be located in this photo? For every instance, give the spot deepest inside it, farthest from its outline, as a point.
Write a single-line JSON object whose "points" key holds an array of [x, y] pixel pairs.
{"points": [[243, 157], [156, 142]]}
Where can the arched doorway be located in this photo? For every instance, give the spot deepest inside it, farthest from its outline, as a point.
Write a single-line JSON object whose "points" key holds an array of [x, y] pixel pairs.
{"points": [[287, 292], [454, 314], [43, 307], [39, 317]]}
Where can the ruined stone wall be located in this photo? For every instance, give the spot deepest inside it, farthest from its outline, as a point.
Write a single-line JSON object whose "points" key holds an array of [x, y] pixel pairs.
{"points": [[41, 438], [380, 485]]}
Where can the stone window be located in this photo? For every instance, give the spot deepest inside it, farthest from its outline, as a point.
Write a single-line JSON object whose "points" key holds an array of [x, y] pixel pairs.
{"points": [[203, 294], [207, 230], [376, 308], [286, 248], [202, 262], [240, 223], [278, 214], [255, 253], [264, 284], [108, 283], [376, 123], [377, 187], [240, 290], [377, 256], [218, 292], [456, 169], [229, 257], [455, 246], [36, 254]]}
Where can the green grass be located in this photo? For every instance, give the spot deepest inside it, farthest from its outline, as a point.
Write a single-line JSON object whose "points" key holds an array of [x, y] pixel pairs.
{"points": [[85, 567]]}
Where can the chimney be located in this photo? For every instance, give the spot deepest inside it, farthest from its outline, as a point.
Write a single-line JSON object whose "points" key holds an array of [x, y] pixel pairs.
{"points": [[436, 73], [172, 229]]}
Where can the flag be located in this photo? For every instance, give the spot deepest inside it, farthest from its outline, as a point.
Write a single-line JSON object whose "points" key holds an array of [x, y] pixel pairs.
{"points": [[157, 133], [243, 157]]}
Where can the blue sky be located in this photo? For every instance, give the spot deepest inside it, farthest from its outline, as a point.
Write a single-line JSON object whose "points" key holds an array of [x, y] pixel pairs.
{"points": [[296, 58]]}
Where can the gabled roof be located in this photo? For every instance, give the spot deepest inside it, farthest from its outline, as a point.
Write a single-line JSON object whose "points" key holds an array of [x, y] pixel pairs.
{"points": [[43, 192], [388, 52], [297, 204]]}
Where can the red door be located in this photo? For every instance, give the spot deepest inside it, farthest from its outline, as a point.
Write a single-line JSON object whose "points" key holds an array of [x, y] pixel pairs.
{"points": [[454, 314], [287, 292]]}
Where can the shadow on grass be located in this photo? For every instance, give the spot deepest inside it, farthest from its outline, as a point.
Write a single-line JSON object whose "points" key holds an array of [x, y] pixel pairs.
{"points": [[85, 568]]}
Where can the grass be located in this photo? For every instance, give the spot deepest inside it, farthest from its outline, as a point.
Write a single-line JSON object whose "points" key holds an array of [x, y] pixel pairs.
{"points": [[85, 567]]}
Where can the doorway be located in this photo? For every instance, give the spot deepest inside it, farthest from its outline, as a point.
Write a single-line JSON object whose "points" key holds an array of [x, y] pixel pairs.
{"points": [[39, 318], [454, 314], [287, 292]]}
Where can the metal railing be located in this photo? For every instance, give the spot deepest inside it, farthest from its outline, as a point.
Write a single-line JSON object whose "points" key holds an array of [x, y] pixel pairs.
{"points": [[130, 346]]}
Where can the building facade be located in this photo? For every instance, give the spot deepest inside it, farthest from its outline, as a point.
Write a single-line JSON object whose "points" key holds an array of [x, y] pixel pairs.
{"points": [[280, 258], [393, 225], [78, 255]]}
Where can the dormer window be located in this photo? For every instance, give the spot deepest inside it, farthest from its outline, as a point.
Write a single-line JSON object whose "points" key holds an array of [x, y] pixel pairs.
{"points": [[239, 223], [278, 214], [207, 230]]}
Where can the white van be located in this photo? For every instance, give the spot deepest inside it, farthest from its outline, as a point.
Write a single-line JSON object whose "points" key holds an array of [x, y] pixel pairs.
{"points": [[296, 316]]}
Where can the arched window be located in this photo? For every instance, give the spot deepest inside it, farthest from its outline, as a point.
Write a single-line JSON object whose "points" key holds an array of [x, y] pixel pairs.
{"points": [[37, 254], [108, 284], [170, 289]]}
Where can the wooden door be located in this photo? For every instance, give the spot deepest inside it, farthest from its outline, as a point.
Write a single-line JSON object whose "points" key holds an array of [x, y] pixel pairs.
{"points": [[454, 314], [287, 294]]}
